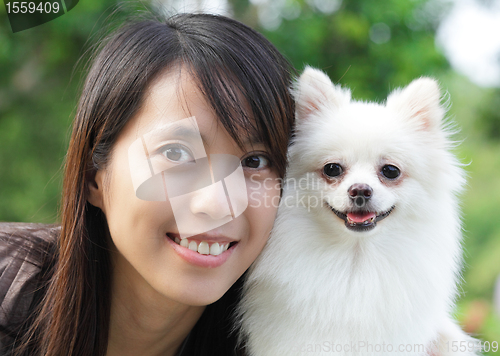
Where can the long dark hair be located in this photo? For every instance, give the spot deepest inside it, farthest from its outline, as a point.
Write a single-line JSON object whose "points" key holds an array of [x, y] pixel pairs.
{"points": [[224, 57]]}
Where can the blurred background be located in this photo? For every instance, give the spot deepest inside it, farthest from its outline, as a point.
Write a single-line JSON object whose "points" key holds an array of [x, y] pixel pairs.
{"points": [[370, 46]]}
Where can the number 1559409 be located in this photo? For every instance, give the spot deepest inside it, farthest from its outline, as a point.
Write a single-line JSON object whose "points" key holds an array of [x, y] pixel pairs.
{"points": [[32, 7], [471, 346]]}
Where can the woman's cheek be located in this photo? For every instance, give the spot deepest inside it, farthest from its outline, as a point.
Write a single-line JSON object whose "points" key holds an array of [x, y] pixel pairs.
{"points": [[263, 199]]}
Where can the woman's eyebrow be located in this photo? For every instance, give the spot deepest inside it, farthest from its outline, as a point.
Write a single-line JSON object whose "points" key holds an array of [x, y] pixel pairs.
{"points": [[194, 133], [252, 139], [188, 133]]}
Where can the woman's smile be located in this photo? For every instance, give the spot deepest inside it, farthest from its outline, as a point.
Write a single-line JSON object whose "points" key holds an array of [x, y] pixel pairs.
{"points": [[203, 250]]}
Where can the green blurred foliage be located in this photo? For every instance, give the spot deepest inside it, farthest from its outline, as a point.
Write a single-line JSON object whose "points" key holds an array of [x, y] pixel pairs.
{"points": [[39, 86], [488, 113], [340, 44], [39, 83]]}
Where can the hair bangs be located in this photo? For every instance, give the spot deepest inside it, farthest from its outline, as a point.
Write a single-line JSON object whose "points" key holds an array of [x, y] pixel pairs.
{"points": [[246, 85]]}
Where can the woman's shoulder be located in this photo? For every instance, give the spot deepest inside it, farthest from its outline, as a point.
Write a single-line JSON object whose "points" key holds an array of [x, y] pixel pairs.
{"points": [[25, 251]]}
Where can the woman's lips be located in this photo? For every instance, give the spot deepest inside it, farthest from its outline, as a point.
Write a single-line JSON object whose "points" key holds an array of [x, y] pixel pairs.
{"points": [[202, 250]]}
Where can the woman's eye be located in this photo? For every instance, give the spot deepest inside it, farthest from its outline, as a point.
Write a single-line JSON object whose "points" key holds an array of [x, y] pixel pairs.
{"points": [[255, 162], [177, 153], [390, 172], [332, 170]]}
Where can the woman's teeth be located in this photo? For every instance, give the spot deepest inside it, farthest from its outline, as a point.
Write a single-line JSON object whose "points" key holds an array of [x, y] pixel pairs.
{"points": [[203, 247]]}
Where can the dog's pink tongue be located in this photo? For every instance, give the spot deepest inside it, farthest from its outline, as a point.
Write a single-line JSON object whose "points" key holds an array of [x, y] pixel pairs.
{"points": [[361, 216]]}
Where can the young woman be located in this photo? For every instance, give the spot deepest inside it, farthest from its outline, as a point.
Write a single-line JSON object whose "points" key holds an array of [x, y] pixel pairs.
{"points": [[145, 265]]}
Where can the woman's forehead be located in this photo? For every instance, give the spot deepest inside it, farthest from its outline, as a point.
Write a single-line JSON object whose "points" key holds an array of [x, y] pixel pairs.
{"points": [[175, 95], [172, 96]]}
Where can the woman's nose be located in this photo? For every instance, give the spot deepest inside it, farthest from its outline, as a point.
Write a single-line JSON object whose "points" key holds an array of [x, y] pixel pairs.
{"points": [[212, 201]]}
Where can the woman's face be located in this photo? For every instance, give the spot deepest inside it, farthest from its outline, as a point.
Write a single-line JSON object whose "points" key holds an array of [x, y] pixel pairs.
{"points": [[148, 249]]}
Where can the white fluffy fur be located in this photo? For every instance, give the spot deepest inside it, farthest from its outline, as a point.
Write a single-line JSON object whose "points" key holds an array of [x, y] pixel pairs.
{"points": [[318, 284]]}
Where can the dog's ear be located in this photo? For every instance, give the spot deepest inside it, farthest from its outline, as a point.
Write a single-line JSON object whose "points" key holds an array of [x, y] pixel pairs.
{"points": [[313, 90], [420, 102]]}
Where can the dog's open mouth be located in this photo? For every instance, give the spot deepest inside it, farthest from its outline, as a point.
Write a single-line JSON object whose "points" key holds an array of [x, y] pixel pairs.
{"points": [[361, 220]]}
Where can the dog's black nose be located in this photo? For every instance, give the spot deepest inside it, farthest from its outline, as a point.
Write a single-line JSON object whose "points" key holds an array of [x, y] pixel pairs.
{"points": [[360, 193]]}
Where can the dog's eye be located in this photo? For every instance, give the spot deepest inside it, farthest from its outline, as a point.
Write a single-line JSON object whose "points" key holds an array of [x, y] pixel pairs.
{"points": [[391, 172], [332, 170]]}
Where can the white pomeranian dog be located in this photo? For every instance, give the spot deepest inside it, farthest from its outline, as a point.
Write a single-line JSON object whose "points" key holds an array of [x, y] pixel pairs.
{"points": [[365, 254]]}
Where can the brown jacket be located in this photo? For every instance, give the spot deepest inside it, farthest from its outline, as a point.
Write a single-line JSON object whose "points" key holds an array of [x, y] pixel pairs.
{"points": [[24, 248]]}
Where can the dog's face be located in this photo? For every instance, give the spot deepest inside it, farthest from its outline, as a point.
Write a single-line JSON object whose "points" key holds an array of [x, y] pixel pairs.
{"points": [[361, 183], [368, 162]]}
